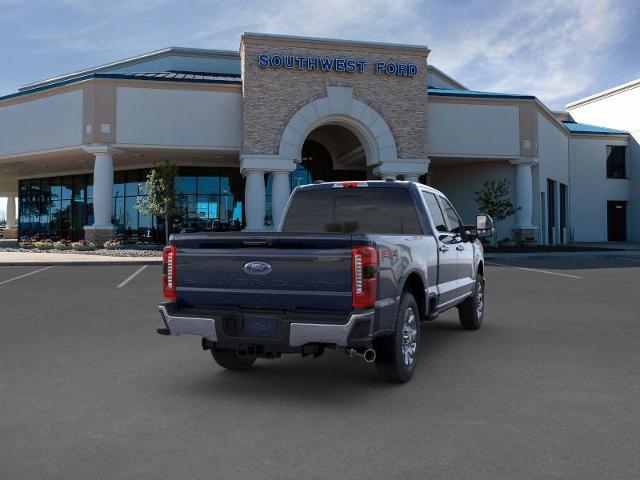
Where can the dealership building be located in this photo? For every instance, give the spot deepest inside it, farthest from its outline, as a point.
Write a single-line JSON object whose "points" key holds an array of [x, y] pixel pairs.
{"points": [[246, 127]]}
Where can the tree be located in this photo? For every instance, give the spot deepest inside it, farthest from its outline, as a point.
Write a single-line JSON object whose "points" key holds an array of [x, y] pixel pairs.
{"points": [[494, 200], [160, 199]]}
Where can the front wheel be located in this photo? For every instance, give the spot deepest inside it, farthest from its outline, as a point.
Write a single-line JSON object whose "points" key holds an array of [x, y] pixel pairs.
{"points": [[397, 354], [230, 359], [471, 311]]}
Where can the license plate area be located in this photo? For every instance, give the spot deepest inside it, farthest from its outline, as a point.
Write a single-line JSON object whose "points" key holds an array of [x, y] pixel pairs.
{"points": [[263, 326]]}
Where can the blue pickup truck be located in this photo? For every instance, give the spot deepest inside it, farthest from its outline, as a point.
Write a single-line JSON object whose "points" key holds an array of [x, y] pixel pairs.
{"points": [[354, 266]]}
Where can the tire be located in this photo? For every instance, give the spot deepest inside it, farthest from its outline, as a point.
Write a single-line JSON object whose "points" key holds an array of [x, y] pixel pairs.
{"points": [[230, 359], [397, 354], [471, 311]]}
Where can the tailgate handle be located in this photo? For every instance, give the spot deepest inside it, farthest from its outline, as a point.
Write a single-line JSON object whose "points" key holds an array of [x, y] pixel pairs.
{"points": [[255, 243]]}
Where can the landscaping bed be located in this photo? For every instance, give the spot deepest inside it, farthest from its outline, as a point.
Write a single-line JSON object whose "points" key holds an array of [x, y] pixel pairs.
{"points": [[112, 248]]}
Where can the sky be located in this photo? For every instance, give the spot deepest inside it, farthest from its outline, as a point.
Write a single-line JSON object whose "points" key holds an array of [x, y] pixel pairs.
{"points": [[558, 50]]}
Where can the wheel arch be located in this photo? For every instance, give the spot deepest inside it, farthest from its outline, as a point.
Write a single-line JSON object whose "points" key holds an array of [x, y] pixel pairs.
{"points": [[415, 284]]}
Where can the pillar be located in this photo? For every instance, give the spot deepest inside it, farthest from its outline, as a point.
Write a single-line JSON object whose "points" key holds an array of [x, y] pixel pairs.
{"points": [[525, 230], [11, 232], [102, 228], [412, 178], [280, 191], [11, 212], [254, 200]]}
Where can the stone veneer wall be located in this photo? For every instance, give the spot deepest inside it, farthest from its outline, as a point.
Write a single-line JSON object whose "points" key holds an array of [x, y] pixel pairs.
{"points": [[271, 96]]}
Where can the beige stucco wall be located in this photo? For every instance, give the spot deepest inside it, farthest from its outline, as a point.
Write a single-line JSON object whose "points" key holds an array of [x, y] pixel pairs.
{"points": [[272, 96]]}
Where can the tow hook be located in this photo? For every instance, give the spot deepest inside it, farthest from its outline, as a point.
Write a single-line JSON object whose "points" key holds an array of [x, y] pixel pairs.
{"points": [[369, 355]]}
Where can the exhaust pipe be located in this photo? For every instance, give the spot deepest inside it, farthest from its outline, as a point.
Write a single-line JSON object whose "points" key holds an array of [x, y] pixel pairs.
{"points": [[369, 355]]}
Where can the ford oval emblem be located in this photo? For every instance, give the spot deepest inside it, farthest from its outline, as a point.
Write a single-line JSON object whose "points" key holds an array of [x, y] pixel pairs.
{"points": [[257, 268]]}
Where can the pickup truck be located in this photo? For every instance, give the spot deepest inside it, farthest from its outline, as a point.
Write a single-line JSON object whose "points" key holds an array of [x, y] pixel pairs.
{"points": [[354, 266]]}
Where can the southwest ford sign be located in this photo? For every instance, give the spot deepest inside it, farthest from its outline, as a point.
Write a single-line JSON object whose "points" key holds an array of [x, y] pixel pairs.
{"points": [[334, 64]]}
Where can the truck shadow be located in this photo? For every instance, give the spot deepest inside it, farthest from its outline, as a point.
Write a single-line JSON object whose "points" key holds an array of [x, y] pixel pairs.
{"points": [[333, 378]]}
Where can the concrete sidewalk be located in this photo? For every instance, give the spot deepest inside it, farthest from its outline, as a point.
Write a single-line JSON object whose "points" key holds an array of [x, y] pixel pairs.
{"points": [[36, 259], [589, 254]]}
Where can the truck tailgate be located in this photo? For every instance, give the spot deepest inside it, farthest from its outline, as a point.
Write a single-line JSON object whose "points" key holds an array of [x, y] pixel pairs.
{"points": [[272, 271]]}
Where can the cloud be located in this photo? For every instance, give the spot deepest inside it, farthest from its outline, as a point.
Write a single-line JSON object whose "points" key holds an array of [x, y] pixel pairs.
{"points": [[558, 50], [553, 49]]}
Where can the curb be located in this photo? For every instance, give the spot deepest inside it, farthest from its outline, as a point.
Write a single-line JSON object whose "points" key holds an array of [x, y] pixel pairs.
{"points": [[72, 263], [599, 254]]}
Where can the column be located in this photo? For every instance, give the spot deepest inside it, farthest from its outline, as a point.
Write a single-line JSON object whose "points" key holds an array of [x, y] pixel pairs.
{"points": [[11, 212], [525, 229], [280, 191], [254, 200], [103, 190], [102, 228]]}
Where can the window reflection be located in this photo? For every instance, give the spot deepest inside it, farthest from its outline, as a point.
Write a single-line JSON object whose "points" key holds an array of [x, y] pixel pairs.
{"points": [[208, 199]]}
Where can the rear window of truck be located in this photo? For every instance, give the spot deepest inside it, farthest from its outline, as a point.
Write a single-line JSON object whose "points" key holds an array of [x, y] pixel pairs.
{"points": [[353, 210]]}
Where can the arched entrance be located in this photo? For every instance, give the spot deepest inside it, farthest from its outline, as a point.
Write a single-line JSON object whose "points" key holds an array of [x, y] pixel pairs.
{"points": [[329, 153], [337, 137]]}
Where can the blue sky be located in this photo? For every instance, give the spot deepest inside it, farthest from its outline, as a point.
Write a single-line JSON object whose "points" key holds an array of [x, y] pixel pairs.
{"points": [[557, 50]]}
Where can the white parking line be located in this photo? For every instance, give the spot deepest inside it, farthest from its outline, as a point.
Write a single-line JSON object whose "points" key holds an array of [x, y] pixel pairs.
{"points": [[25, 275], [534, 270], [131, 277]]}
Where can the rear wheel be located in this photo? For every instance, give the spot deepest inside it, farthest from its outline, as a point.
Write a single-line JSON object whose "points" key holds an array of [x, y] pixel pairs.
{"points": [[230, 359], [471, 311], [397, 354]]}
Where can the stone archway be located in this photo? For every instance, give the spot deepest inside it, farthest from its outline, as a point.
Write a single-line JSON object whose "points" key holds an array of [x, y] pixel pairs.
{"points": [[340, 108]]}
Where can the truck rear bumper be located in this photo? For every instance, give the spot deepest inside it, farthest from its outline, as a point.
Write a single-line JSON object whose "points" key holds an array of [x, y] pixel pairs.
{"points": [[296, 332], [181, 325]]}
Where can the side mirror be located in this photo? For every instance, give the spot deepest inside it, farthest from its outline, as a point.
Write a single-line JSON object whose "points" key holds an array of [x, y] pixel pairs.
{"points": [[484, 226]]}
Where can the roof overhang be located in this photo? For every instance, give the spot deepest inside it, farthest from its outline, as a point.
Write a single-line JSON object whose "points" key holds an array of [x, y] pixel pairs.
{"points": [[145, 57]]}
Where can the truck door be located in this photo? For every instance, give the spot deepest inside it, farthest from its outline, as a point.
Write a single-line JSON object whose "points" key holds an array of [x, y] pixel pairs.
{"points": [[464, 248], [447, 282]]}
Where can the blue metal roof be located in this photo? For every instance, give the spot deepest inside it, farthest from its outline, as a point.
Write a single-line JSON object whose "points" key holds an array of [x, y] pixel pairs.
{"points": [[188, 77], [575, 127], [445, 92]]}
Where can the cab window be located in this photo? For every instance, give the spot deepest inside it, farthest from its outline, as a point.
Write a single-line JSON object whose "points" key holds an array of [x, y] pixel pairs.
{"points": [[435, 211], [455, 225]]}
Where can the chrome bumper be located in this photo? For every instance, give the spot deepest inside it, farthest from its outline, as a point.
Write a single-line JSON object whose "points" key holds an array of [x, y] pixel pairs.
{"points": [[303, 333], [299, 333], [202, 327]]}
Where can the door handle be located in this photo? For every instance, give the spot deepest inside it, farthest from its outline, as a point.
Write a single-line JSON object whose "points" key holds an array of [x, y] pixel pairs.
{"points": [[460, 248], [443, 248]]}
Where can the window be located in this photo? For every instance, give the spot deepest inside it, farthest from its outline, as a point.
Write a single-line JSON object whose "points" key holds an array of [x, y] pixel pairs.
{"points": [[435, 211], [353, 210], [616, 161], [453, 220]]}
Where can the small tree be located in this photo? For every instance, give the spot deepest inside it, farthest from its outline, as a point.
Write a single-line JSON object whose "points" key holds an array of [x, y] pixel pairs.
{"points": [[160, 193], [494, 200]]}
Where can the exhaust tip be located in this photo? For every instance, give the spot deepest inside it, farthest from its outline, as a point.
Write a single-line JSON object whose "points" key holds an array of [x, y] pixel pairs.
{"points": [[369, 355]]}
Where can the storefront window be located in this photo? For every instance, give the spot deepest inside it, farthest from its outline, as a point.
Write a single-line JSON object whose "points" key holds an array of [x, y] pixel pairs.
{"points": [[208, 199]]}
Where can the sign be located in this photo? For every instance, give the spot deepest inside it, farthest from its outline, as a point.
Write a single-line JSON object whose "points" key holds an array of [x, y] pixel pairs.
{"points": [[335, 64]]}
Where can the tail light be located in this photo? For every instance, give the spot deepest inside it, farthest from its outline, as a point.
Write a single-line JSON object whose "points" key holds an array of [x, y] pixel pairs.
{"points": [[169, 272], [364, 266]]}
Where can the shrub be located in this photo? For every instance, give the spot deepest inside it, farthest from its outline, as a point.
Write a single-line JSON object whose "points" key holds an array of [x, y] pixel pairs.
{"points": [[26, 242], [83, 245], [113, 244], [43, 244], [62, 245]]}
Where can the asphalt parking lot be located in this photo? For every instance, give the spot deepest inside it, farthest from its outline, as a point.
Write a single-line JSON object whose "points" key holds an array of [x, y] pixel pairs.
{"points": [[548, 388]]}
